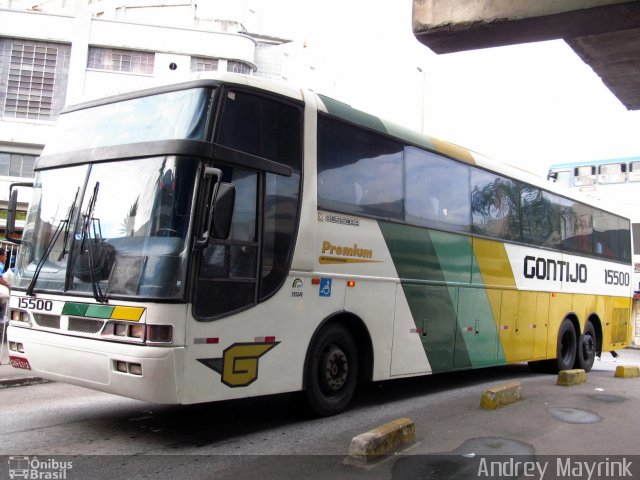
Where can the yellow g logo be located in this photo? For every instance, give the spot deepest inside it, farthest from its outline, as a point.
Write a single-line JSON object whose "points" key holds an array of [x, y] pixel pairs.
{"points": [[239, 363]]}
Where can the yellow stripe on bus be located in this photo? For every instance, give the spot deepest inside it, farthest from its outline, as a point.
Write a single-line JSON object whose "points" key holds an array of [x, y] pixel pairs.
{"points": [[493, 263], [133, 314], [454, 151]]}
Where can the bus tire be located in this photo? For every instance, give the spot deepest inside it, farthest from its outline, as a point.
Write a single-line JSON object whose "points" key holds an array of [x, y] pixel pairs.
{"points": [[587, 347], [567, 346], [331, 371]]}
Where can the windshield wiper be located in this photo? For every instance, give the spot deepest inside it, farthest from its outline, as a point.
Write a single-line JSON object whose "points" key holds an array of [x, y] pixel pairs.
{"points": [[89, 224], [65, 239], [54, 238]]}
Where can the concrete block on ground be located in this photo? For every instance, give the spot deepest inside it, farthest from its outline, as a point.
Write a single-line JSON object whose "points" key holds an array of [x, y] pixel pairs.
{"points": [[627, 371], [569, 378], [500, 395], [382, 441]]}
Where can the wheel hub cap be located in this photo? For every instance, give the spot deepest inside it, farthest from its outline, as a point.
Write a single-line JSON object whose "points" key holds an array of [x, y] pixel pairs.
{"points": [[337, 369]]}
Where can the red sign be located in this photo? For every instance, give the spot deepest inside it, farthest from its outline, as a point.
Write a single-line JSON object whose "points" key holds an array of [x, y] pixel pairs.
{"points": [[19, 362]]}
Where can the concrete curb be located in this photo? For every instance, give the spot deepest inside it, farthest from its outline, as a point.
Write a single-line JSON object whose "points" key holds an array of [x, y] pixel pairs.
{"points": [[21, 381], [15, 377], [569, 378], [500, 395], [382, 441], [627, 371]]}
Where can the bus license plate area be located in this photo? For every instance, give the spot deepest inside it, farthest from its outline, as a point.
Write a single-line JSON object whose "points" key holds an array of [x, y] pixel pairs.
{"points": [[19, 362]]}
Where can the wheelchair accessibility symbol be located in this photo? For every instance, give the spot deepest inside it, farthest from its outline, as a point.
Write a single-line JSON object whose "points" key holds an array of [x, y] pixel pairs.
{"points": [[325, 287]]}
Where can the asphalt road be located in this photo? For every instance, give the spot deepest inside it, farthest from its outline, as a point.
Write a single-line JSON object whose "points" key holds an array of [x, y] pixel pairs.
{"points": [[106, 436]]}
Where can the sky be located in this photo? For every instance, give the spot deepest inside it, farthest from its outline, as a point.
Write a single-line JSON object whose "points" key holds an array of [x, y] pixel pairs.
{"points": [[530, 105]]}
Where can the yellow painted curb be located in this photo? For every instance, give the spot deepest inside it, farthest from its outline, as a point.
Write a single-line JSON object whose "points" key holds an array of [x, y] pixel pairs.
{"points": [[627, 371], [383, 440], [500, 395], [568, 378]]}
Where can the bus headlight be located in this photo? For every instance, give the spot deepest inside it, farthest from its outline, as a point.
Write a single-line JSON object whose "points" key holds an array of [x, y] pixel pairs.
{"points": [[20, 316], [138, 333], [121, 331]]}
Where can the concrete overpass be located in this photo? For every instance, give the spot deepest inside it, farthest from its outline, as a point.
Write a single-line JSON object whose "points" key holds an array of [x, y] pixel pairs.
{"points": [[604, 33]]}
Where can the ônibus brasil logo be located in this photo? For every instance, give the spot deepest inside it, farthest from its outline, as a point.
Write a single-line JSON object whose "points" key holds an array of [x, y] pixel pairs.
{"points": [[35, 468]]}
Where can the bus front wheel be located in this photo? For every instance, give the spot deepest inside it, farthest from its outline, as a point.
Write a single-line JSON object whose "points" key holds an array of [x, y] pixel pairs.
{"points": [[332, 370], [567, 346]]}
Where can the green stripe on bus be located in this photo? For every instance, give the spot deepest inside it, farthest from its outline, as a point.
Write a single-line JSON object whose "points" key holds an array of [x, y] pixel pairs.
{"points": [[436, 269], [99, 311], [433, 304], [75, 309], [347, 112]]}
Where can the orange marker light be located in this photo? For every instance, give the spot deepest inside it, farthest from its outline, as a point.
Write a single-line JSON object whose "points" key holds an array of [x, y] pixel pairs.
{"points": [[351, 283]]}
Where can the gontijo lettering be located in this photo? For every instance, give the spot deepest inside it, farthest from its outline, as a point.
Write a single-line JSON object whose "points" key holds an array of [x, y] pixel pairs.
{"points": [[554, 270]]}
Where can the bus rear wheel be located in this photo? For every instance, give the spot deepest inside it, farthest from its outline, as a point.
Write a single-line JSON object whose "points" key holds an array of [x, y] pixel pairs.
{"points": [[587, 348], [332, 371]]}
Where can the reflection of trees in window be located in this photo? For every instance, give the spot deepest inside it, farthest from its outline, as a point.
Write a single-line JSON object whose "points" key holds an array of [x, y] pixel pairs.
{"points": [[540, 217], [128, 223], [495, 205], [577, 227]]}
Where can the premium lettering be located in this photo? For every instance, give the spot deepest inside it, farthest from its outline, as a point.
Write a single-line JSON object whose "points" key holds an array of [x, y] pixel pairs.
{"points": [[346, 251], [554, 270]]}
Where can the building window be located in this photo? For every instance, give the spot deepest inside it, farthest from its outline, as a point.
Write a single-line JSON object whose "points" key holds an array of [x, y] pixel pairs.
{"points": [[33, 78], [16, 164], [238, 67], [121, 60], [203, 64]]}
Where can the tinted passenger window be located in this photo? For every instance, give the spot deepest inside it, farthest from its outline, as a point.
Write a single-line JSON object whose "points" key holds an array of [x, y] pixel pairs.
{"points": [[280, 215], [358, 172], [262, 127], [437, 191], [606, 234], [625, 239], [540, 217], [577, 226], [495, 205]]}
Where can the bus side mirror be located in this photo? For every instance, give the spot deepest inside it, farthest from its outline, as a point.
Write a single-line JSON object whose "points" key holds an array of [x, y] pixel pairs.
{"points": [[12, 210], [222, 201], [223, 210]]}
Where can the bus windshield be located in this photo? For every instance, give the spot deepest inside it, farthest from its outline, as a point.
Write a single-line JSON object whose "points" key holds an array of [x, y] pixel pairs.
{"points": [[118, 228], [180, 114]]}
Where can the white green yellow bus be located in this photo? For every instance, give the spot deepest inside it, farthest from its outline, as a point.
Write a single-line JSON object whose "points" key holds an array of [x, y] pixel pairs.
{"points": [[231, 237]]}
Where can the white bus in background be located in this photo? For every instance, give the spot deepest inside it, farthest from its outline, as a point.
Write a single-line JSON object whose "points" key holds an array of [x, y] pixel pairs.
{"points": [[615, 181]]}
